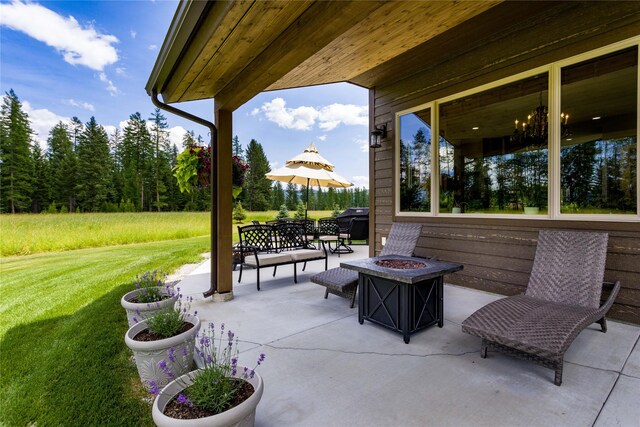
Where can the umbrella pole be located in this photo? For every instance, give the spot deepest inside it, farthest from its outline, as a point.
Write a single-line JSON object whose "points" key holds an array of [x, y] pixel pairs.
{"points": [[306, 208]]}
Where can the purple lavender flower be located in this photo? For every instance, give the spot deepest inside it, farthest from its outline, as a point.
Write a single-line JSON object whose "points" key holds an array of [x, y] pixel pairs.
{"points": [[209, 359], [171, 354], [162, 365], [183, 400], [153, 388], [184, 351]]}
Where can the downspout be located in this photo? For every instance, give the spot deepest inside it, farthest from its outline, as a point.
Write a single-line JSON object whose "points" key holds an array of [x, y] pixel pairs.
{"points": [[213, 179]]}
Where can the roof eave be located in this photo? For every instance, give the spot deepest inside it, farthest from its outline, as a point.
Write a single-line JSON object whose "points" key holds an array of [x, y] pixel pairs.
{"points": [[184, 24]]}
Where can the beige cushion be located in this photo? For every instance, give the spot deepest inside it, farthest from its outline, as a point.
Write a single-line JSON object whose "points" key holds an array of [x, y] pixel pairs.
{"points": [[306, 254], [310, 237], [344, 235], [328, 238], [268, 259]]}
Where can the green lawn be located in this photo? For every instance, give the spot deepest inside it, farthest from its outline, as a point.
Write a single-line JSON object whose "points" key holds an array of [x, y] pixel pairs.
{"points": [[64, 361], [31, 234], [63, 358]]}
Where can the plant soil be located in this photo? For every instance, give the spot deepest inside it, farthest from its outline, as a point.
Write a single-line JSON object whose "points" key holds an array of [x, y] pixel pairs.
{"points": [[136, 301], [180, 411], [146, 335], [399, 264]]}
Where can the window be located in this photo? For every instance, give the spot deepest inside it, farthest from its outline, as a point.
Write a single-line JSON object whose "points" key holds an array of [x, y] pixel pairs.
{"points": [[415, 161], [560, 141], [493, 150], [598, 156]]}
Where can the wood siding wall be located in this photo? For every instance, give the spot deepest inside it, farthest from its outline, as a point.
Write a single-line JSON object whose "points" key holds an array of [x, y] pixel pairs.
{"points": [[498, 253]]}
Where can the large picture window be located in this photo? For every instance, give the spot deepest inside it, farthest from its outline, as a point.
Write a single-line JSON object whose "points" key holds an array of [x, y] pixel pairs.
{"points": [[559, 142], [415, 161], [598, 154], [493, 150]]}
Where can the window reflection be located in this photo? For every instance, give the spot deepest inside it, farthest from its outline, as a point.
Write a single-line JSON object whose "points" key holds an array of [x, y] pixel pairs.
{"points": [[415, 161], [598, 156], [493, 150]]}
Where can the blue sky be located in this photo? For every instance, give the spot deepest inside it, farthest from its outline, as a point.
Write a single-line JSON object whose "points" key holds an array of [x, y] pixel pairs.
{"points": [[93, 58]]}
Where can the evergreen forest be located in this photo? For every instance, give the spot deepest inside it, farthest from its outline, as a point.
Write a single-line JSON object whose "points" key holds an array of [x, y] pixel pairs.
{"points": [[84, 169]]}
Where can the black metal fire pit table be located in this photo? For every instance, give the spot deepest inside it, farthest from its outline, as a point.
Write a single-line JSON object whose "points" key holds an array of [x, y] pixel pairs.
{"points": [[402, 293]]}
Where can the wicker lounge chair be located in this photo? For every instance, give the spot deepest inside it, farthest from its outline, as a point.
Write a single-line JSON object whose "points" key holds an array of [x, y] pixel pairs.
{"points": [[562, 298], [344, 283]]}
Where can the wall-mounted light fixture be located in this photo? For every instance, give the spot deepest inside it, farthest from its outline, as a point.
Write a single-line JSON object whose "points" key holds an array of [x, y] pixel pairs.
{"points": [[377, 134]]}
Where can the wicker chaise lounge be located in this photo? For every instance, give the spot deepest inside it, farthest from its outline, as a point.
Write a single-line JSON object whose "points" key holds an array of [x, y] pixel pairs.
{"points": [[562, 298], [339, 281]]}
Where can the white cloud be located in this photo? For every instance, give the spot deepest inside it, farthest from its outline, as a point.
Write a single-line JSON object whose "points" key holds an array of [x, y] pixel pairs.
{"points": [[111, 88], [133, 34], [79, 104], [121, 71], [42, 120], [176, 134], [153, 47], [347, 114], [305, 118], [363, 143], [322, 138], [110, 129], [78, 45], [301, 118], [360, 181]]}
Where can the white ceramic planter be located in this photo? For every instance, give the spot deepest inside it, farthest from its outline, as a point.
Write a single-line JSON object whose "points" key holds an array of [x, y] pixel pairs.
{"points": [[149, 354], [145, 310], [531, 210], [242, 415]]}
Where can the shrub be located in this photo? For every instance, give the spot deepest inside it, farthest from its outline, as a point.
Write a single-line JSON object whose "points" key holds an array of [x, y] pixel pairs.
{"points": [[239, 214], [336, 211], [283, 212], [300, 211]]}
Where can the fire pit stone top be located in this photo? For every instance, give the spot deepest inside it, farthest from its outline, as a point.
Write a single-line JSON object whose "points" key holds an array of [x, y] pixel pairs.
{"points": [[419, 268], [400, 264]]}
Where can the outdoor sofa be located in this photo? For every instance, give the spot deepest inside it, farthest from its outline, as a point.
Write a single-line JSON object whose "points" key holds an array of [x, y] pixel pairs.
{"points": [[265, 245], [562, 298]]}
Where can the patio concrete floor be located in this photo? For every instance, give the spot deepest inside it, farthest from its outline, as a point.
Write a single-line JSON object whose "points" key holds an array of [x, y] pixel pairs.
{"points": [[323, 368]]}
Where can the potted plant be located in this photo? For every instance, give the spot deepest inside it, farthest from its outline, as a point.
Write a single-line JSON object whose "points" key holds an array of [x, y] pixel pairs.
{"points": [[171, 332], [220, 393], [150, 296]]}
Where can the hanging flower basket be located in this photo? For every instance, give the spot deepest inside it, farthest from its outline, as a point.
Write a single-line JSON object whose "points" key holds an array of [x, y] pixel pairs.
{"points": [[193, 168], [238, 172]]}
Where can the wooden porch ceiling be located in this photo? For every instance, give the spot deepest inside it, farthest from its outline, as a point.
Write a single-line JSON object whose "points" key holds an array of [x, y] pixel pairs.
{"points": [[231, 51]]}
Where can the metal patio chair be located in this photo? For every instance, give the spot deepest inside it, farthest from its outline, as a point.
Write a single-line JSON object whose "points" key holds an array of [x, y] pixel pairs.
{"points": [[562, 298]]}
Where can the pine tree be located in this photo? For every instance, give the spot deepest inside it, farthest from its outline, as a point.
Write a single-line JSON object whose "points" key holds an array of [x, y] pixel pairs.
{"points": [[137, 161], [94, 165], [258, 187], [292, 196], [277, 196], [237, 147], [41, 180], [63, 162], [16, 163], [76, 129], [161, 147]]}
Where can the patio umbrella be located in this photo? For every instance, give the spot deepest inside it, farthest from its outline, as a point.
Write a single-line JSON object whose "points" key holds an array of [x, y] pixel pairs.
{"points": [[309, 168]]}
